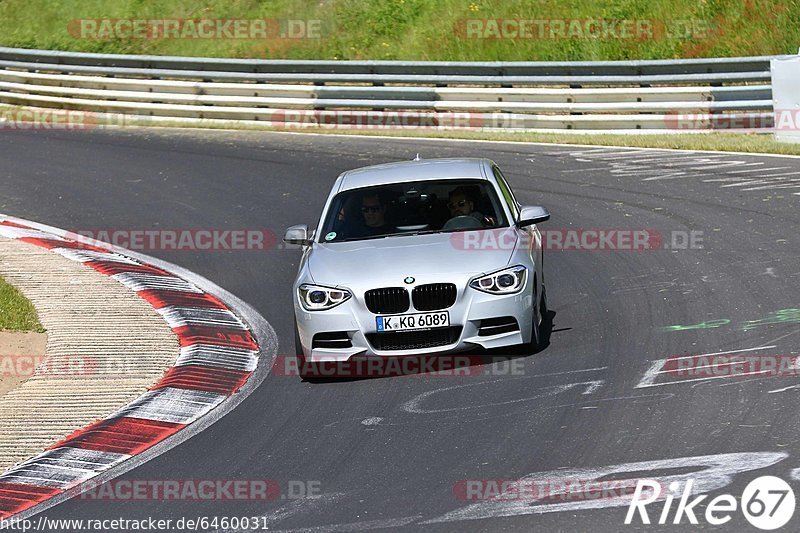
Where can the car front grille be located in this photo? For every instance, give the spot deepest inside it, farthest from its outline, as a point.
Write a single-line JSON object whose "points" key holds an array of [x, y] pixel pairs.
{"points": [[387, 300], [434, 296], [415, 339]]}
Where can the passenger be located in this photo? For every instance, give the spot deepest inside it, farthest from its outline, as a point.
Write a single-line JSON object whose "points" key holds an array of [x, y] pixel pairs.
{"points": [[461, 204]]}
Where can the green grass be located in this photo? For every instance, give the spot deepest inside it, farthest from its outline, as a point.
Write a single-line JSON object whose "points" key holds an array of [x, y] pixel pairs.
{"points": [[16, 312], [724, 142], [421, 29]]}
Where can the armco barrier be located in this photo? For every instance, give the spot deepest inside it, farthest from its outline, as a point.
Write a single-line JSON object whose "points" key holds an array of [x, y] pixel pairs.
{"points": [[664, 95]]}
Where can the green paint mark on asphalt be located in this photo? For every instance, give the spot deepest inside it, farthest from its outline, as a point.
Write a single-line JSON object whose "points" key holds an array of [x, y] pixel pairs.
{"points": [[782, 316], [776, 317], [702, 325]]}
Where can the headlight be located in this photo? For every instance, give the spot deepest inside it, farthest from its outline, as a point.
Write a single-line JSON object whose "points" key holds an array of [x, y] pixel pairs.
{"points": [[316, 298], [506, 281]]}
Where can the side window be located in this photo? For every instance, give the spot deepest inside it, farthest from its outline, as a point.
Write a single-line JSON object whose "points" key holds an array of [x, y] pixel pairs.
{"points": [[512, 203]]}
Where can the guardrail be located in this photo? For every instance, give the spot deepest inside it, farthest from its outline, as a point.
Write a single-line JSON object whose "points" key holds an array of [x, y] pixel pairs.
{"points": [[696, 94]]}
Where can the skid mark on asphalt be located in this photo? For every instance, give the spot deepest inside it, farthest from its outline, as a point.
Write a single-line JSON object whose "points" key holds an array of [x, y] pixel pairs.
{"points": [[728, 170], [302, 505], [447, 418], [413, 406], [655, 398], [590, 386], [357, 526]]}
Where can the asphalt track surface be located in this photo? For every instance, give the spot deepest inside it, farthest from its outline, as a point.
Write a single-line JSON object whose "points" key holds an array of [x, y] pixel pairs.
{"points": [[387, 453]]}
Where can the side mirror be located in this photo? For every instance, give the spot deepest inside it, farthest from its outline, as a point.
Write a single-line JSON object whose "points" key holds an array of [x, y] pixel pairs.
{"points": [[532, 214], [297, 234]]}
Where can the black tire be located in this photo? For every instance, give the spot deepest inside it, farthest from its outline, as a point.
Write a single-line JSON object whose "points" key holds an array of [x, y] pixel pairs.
{"points": [[543, 303], [539, 317], [535, 344], [536, 332]]}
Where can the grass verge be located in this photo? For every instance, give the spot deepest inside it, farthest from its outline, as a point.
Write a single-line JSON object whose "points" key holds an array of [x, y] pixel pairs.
{"points": [[757, 143], [723, 142], [16, 312], [448, 30]]}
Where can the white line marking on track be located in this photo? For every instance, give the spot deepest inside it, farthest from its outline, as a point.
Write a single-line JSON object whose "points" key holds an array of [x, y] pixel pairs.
{"points": [[784, 389], [788, 184], [655, 369], [747, 169], [780, 174], [786, 335], [727, 352], [759, 170], [583, 169], [596, 369]]}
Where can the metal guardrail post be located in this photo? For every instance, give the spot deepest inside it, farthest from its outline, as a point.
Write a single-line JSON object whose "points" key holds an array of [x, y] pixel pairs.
{"points": [[786, 98]]}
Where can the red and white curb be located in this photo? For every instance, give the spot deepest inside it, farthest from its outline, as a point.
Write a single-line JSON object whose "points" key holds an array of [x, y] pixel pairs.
{"points": [[218, 356]]}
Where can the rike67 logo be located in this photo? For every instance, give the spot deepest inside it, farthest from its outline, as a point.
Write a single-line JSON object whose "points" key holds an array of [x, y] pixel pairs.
{"points": [[767, 503]]}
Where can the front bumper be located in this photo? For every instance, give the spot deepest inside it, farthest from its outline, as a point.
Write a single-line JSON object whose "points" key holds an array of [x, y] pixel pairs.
{"points": [[471, 307]]}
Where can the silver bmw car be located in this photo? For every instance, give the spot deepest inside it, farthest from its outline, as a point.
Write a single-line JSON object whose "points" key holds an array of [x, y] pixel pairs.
{"points": [[419, 257]]}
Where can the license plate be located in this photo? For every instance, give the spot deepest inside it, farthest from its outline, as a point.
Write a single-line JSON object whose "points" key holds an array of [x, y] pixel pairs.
{"points": [[413, 321]]}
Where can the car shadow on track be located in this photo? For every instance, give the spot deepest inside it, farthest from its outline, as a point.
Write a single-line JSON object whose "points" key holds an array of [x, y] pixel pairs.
{"points": [[465, 363]]}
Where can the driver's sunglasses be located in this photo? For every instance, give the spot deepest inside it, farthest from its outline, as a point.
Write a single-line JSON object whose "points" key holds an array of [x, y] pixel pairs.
{"points": [[370, 208], [460, 203]]}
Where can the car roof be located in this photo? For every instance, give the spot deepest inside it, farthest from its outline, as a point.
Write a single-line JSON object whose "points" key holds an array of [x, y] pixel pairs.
{"points": [[416, 170]]}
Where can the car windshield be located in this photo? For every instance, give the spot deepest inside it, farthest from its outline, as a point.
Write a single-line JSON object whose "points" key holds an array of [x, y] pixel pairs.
{"points": [[412, 208]]}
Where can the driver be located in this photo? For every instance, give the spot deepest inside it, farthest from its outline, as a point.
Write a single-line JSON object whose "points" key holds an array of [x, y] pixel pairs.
{"points": [[373, 209]]}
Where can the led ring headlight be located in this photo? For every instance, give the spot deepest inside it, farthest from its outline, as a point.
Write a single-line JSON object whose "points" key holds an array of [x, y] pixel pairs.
{"points": [[316, 298], [506, 281]]}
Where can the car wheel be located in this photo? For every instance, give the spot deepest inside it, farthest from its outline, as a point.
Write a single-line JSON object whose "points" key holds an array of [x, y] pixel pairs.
{"points": [[536, 333], [538, 319]]}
